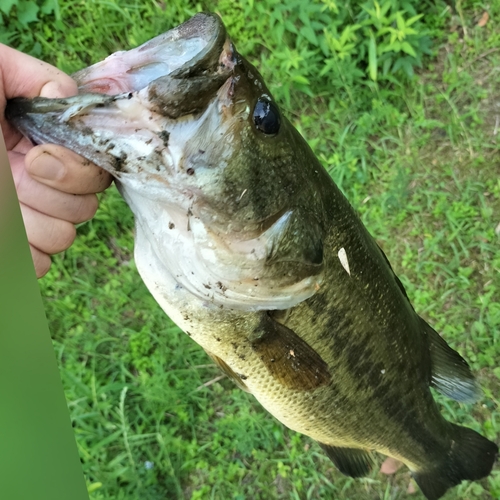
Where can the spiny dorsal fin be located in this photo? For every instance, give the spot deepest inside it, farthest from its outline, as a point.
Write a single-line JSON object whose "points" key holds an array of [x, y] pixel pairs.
{"points": [[398, 281], [290, 360], [350, 461], [451, 374]]}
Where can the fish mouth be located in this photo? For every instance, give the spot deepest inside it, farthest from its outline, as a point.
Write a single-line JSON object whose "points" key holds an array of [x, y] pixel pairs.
{"points": [[189, 50], [166, 120], [137, 93]]}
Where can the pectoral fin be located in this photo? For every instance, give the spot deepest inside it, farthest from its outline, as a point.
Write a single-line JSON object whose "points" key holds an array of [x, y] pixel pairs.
{"points": [[289, 359], [352, 462]]}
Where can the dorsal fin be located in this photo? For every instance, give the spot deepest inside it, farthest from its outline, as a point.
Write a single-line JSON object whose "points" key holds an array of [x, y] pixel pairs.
{"points": [[398, 281], [451, 374]]}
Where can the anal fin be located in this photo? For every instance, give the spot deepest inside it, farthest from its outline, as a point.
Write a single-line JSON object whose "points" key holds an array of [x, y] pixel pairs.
{"points": [[451, 374], [352, 462]]}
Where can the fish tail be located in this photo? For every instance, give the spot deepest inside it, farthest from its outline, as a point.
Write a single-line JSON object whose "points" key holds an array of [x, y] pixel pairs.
{"points": [[471, 456]]}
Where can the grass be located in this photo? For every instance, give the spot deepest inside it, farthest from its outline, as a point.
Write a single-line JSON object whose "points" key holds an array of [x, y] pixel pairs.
{"points": [[417, 157]]}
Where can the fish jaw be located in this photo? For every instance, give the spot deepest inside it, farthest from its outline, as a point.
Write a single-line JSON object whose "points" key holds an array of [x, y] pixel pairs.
{"points": [[146, 86], [193, 44], [168, 144], [218, 268]]}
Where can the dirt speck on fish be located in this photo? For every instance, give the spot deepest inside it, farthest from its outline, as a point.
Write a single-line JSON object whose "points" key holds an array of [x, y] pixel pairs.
{"points": [[245, 241]]}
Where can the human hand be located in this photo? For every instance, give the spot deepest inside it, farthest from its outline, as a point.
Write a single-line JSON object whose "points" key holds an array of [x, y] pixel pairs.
{"points": [[56, 187]]}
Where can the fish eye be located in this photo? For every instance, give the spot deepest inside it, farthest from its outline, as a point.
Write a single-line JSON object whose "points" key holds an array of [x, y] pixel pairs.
{"points": [[266, 116]]}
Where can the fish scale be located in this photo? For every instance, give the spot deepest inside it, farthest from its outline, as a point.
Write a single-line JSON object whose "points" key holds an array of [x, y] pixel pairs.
{"points": [[247, 244]]}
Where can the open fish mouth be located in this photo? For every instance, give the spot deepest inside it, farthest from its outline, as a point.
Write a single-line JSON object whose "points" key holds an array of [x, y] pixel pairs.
{"points": [[193, 48], [128, 103], [172, 121]]}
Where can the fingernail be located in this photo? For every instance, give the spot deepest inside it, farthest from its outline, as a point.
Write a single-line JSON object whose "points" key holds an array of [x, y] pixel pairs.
{"points": [[52, 89], [47, 167], [55, 89]]}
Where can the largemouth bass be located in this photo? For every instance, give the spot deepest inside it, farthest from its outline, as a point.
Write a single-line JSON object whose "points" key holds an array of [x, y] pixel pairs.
{"points": [[248, 245]]}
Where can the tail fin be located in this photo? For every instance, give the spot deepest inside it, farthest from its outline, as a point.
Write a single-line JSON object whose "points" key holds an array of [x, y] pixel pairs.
{"points": [[471, 457]]}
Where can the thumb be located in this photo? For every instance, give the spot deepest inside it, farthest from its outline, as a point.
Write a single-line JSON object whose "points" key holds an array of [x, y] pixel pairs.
{"points": [[24, 76]]}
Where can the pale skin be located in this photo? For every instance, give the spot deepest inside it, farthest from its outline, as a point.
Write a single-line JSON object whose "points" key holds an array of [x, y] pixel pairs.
{"points": [[56, 187]]}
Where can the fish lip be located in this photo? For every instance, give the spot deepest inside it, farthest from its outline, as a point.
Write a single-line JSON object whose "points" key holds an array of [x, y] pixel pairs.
{"points": [[212, 68], [121, 72]]}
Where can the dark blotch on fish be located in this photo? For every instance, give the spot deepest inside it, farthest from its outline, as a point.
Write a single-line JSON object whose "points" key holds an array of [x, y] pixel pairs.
{"points": [[119, 161], [164, 136]]}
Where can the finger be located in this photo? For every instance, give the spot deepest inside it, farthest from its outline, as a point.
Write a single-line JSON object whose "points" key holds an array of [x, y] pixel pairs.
{"points": [[41, 261], [48, 234], [23, 146], [64, 86], [50, 201], [66, 171], [67, 207], [390, 466], [24, 76]]}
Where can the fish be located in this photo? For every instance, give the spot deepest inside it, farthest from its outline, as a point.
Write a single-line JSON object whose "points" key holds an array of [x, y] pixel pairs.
{"points": [[247, 244]]}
